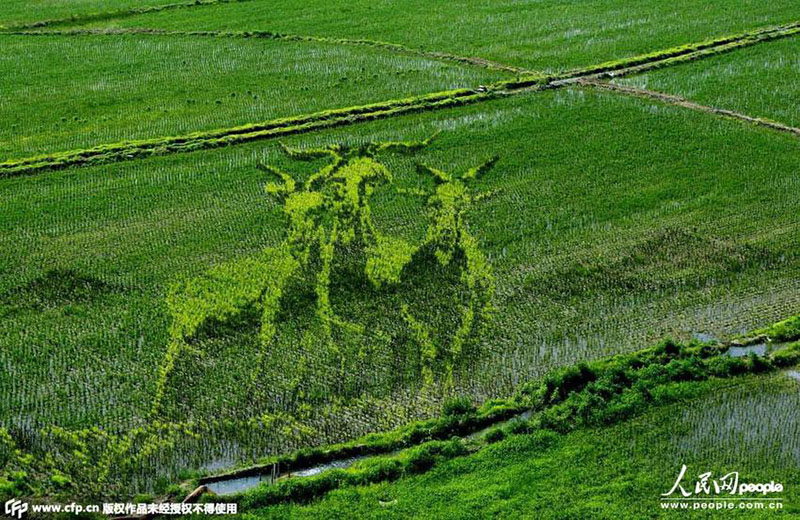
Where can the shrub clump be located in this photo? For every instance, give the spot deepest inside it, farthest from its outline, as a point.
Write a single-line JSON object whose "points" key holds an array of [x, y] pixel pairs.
{"points": [[458, 406]]}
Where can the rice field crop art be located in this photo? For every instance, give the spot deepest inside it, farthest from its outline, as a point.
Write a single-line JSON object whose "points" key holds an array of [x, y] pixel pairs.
{"points": [[332, 246], [520, 258], [567, 239]]}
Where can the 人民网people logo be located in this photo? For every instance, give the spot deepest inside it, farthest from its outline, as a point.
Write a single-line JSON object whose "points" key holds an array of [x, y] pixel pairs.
{"points": [[726, 492], [726, 484]]}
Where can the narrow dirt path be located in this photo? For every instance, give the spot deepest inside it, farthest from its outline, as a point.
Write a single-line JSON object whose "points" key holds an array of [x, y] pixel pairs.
{"points": [[682, 102]]}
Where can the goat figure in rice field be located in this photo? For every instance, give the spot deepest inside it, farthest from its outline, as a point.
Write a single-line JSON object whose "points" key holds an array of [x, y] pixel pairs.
{"points": [[449, 239], [331, 209]]}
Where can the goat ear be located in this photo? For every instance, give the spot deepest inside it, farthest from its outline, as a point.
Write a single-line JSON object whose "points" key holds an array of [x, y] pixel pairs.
{"points": [[478, 171], [439, 177], [281, 190], [308, 154], [400, 146]]}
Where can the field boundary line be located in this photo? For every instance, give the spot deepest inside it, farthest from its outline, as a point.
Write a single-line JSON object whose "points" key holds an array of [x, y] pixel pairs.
{"points": [[269, 35], [688, 52], [128, 150], [685, 103], [112, 15]]}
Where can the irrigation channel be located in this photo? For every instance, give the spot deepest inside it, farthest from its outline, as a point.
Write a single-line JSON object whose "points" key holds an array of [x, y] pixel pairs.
{"points": [[232, 484], [248, 478]]}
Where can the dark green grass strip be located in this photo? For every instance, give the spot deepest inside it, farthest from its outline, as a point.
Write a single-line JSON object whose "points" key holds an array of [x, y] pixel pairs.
{"points": [[460, 424], [387, 46], [112, 15], [128, 150]]}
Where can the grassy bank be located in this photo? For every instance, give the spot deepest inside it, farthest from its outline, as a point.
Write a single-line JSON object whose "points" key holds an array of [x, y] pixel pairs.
{"points": [[588, 395]]}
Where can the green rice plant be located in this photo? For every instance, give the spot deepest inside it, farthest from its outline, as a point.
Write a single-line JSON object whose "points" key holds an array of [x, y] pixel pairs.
{"points": [[392, 47], [229, 136], [128, 150], [538, 36], [91, 462], [19, 14], [755, 418], [606, 392], [448, 237], [612, 471], [598, 236], [129, 88], [755, 81], [222, 294], [581, 205], [330, 211]]}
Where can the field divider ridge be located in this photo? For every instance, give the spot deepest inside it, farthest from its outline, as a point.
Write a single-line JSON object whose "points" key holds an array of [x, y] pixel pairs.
{"points": [[683, 102], [128, 150], [687, 52]]}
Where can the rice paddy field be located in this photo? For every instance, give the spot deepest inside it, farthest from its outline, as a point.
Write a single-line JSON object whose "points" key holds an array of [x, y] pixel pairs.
{"points": [[248, 233], [540, 35], [760, 81], [21, 12], [123, 87], [548, 476]]}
